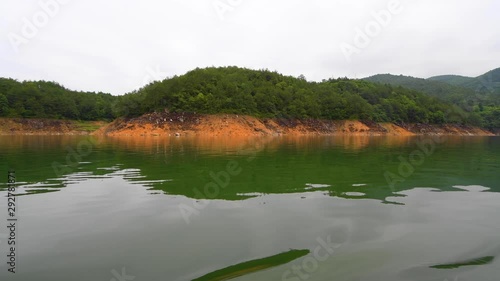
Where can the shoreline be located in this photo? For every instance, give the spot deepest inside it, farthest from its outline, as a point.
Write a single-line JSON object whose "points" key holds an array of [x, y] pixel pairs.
{"points": [[49, 127], [226, 125], [233, 125]]}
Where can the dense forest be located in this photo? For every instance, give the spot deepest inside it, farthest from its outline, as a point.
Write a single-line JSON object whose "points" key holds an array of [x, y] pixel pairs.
{"points": [[260, 93], [40, 99], [480, 101], [265, 93], [488, 82], [457, 95]]}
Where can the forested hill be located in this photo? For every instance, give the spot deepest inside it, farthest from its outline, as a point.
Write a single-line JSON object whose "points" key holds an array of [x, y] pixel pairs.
{"points": [[449, 87], [264, 93], [481, 102], [488, 82], [259, 93], [40, 99], [455, 94]]}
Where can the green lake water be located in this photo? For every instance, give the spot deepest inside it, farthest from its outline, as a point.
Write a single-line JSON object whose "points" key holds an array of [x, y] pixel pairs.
{"points": [[270, 208]]}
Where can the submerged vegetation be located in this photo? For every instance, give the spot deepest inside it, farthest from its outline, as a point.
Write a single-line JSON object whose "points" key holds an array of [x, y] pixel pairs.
{"points": [[478, 261], [253, 266]]}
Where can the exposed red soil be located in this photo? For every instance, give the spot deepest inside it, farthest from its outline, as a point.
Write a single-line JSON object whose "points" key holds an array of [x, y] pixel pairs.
{"points": [[191, 124], [182, 124]]}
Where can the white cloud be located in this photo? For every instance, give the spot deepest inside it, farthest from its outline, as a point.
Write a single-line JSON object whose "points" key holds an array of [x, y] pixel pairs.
{"points": [[109, 45]]}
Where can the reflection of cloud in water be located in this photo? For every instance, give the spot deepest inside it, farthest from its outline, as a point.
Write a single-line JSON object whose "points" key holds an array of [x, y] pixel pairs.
{"points": [[251, 194], [316, 185], [472, 188], [354, 194]]}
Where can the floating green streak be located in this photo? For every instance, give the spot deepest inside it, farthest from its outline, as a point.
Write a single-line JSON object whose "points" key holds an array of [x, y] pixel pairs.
{"points": [[478, 261], [253, 266], [37, 191]]}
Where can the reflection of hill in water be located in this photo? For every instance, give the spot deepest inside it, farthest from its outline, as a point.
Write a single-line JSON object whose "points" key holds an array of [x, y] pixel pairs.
{"points": [[344, 166]]}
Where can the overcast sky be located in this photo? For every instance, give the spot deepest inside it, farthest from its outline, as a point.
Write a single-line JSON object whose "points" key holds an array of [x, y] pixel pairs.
{"points": [[116, 46]]}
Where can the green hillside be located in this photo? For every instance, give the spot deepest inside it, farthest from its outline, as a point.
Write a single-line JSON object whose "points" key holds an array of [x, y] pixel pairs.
{"points": [[456, 80], [264, 93], [455, 94], [481, 102], [40, 99], [486, 83]]}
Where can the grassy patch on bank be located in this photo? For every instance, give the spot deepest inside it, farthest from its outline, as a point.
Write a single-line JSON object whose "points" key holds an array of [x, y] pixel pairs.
{"points": [[88, 126]]}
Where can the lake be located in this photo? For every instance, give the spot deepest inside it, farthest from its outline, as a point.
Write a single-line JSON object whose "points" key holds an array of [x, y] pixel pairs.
{"points": [[269, 208]]}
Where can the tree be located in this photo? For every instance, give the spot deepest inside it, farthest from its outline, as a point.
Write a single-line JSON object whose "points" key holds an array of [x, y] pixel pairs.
{"points": [[4, 105]]}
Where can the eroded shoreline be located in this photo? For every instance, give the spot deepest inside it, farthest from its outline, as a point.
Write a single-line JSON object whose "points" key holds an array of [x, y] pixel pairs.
{"points": [[178, 124], [230, 125]]}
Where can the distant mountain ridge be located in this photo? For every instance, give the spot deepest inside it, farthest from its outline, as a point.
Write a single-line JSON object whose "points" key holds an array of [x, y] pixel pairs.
{"points": [[439, 89], [438, 86], [480, 96], [488, 82]]}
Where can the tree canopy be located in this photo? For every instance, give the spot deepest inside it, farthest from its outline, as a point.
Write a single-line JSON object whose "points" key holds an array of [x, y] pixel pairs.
{"points": [[265, 93], [480, 99], [261, 93], [40, 99]]}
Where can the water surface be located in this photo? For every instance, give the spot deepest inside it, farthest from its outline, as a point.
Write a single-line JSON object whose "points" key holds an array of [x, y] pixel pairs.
{"points": [[390, 208]]}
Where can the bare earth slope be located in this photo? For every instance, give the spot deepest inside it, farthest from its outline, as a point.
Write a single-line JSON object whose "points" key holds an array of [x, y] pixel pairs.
{"points": [[165, 124], [181, 124]]}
